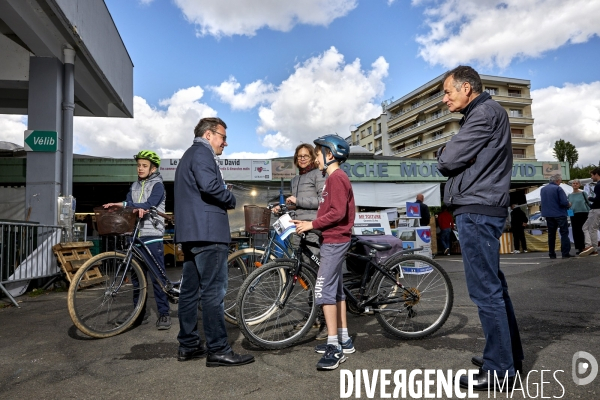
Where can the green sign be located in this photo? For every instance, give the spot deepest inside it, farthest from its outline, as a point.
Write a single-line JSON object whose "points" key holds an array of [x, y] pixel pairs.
{"points": [[40, 141]]}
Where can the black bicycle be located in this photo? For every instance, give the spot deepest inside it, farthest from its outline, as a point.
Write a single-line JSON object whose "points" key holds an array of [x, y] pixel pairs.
{"points": [[108, 292], [410, 295]]}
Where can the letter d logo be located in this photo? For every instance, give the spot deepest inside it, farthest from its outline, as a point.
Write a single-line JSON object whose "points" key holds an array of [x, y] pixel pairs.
{"points": [[581, 367]]}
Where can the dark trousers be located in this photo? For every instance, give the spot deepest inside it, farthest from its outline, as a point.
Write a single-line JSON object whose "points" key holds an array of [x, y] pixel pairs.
{"points": [[562, 225], [156, 247], [577, 222], [519, 238], [204, 275], [445, 237], [480, 246]]}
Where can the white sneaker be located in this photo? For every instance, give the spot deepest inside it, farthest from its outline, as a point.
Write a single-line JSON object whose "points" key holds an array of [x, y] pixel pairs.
{"points": [[524, 251], [516, 252]]}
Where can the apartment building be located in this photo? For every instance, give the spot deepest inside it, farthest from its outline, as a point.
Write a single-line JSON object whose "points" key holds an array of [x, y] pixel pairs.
{"points": [[417, 124]]}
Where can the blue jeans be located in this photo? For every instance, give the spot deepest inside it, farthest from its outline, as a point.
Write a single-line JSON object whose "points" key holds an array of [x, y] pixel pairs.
{"points": [[480, 246], [445, 238], [562, 225], [157, 250], [204, 273]]}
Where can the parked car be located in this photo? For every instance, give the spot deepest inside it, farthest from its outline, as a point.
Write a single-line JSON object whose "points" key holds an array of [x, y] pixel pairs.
{"points": [[537, 220]]}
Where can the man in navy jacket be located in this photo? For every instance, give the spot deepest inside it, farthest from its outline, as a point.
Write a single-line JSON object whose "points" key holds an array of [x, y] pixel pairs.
{"points": [[202, 228], [554, 208]]}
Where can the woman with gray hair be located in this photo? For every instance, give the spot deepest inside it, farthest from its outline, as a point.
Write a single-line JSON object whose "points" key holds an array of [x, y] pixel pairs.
{"points": [[580, 207]]}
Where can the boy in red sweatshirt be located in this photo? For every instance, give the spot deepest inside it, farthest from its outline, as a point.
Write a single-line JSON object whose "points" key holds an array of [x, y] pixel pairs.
{"points": [[335, 219]]}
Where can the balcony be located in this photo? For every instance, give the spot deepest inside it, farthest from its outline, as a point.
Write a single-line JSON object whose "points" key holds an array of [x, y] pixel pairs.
{"points": [[522, 157], [362, 136], [355, 143], [415, 106], [421, 126], [377, 148], [522, 120], [377, 134], [425, 144], [514, 94]]}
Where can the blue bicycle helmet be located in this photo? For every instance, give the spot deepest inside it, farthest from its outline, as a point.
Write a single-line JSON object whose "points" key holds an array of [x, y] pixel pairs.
{"points": [[340, 149]]}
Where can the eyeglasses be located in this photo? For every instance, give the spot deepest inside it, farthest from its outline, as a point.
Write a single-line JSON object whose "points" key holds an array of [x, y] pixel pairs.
{"points": [[220, 134], [303, 157]]}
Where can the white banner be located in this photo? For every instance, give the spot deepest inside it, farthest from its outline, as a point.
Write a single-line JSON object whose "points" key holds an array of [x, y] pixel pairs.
{"points": [[233, 169]]}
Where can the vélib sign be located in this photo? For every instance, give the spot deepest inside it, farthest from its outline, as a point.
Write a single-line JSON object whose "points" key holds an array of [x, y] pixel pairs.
{"points": [[41, 141]]}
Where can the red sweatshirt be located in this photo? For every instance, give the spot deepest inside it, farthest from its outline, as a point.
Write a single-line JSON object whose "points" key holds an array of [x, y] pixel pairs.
{"points": [[335, 216]]}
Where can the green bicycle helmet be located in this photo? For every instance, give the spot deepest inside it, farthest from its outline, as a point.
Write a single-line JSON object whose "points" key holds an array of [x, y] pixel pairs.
{"points": [[148, 155]]}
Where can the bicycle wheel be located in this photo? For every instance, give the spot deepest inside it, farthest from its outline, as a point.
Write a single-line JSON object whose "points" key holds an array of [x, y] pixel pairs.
{"points": [[239, 265], [101, 300], [263, 318], [424, 304]]}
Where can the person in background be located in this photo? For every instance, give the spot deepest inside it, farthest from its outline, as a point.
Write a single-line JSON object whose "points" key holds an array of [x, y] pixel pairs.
{"points": [[590, 227], [580, 206], [425, 216], [554, 208], [445, 223], [306, 191], [518, 222]]}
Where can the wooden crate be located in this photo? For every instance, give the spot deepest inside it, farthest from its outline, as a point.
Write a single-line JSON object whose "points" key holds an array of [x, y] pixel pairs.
{"points": [[72, 255]]}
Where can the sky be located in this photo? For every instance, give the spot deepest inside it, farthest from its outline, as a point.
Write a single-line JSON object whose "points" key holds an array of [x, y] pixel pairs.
{"points": [[282, 72]]}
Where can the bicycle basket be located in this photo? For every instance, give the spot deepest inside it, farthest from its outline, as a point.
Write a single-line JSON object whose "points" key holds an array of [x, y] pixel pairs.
{"points": [[257, 219], [114, 220]]}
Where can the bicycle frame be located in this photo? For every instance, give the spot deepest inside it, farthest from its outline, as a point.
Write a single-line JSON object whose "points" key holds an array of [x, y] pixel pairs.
{"points": [[138, 249]]}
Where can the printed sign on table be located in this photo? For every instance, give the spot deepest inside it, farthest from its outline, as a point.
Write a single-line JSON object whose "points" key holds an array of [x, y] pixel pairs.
{"points": [[371, 223], [413, 210]]}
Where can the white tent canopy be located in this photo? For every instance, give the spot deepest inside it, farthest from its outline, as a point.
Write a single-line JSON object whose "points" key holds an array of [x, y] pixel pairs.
{"points": [[385, 195], [536, 195]]}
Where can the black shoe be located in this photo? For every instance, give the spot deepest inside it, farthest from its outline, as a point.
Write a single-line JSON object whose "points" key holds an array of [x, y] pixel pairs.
{"points": [[552, 257], [478, 362], [228, 360], [163, 322], [185, 355], [568, 256], [481, 382]]}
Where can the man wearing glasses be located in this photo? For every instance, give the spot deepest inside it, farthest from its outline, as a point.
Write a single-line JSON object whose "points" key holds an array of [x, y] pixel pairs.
{"points": [[202, 228]]}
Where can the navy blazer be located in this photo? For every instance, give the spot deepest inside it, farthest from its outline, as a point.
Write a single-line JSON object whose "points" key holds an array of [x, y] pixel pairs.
{"points": [[201, 198]]}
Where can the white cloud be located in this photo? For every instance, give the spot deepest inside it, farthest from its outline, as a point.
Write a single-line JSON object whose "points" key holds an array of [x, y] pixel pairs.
{"points": [[253, 94], [243, 17], [324, 95], [572, 113], [169, 130], [12, 128], [496, 32]]}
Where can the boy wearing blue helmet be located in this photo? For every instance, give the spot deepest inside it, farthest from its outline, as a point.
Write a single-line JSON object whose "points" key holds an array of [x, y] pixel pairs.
{"points": [[335, 218]]}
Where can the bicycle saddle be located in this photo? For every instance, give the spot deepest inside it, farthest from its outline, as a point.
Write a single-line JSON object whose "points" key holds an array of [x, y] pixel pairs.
{"points": [[375, 246]]}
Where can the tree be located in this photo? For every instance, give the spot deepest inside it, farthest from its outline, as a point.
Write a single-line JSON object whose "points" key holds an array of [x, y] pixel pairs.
{"points": [[565, 151]]}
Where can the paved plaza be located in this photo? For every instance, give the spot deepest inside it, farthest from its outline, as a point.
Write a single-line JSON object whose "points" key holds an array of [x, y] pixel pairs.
{"points": [[42, 354]]}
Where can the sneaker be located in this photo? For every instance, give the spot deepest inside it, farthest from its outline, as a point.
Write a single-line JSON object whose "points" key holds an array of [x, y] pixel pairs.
{"points": [[332, 358], [163, 322], [593, 254], [516, 252], [447, 252], [524, 251], [322, 334], [587, 251], [347, 347]]}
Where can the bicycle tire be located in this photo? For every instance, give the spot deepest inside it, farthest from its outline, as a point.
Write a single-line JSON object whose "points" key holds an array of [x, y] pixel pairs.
{"points": [[96, 311], [261, 320], [239, 265], [415, 318]]}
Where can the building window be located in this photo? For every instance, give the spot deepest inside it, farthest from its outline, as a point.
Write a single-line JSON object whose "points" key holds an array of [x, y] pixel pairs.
{"points": [[514, 92], [371, 146], [491, 90], [517, 133], [515, 113], [362, 134], [518, 153], [437, 135]]}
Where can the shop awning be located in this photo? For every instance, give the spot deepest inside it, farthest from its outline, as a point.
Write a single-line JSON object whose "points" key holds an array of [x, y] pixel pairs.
{"points": [[385, 194]]}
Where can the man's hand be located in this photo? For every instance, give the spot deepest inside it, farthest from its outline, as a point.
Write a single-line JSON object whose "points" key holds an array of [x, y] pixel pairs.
{"points": [[291, 200], [302, 226], [524, 223], [112, 204], [275, 210]]}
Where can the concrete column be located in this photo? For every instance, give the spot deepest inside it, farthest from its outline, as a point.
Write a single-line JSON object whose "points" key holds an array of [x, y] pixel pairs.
{"points": [[68, 107], [43, 175]]}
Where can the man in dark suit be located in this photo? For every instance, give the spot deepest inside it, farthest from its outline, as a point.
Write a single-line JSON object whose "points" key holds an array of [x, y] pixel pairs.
{"points": [[518, 222], [202, 228]]}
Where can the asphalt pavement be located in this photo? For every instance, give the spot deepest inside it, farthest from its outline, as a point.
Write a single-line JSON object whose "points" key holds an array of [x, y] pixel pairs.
{"points": [[43, 355]]}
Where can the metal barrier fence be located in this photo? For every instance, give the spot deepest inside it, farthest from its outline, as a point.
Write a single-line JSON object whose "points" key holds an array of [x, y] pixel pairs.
{"points": [[25, 254]]}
